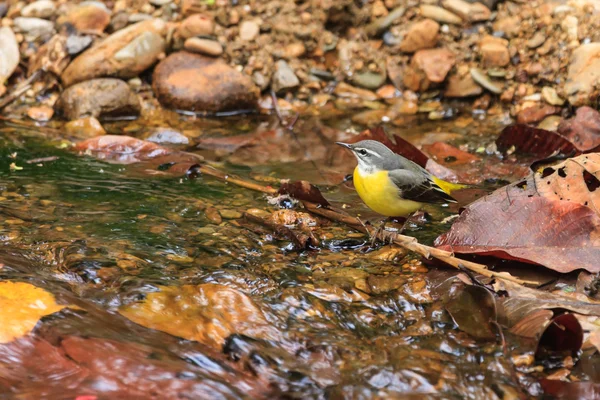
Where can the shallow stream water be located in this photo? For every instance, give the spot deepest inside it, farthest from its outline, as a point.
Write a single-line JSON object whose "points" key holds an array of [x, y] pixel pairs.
{"points": [[342, 322]]}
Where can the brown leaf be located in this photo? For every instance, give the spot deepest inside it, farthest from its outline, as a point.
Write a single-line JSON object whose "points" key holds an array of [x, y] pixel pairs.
{"points": [[583, 130], [449, 155], [560, 235], [207, 313], [564, 333], [473, 309], [303, 190]]}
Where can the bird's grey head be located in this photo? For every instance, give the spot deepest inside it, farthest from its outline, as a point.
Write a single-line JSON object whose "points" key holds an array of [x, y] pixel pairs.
{"points": [[372, 156]]}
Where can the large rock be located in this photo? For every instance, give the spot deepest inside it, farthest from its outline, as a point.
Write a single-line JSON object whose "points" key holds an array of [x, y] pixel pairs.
{"points": [[9, 54], [106, 97], [124, 54], [421, 35], [192, 82], [583, 78], [428, 66]]}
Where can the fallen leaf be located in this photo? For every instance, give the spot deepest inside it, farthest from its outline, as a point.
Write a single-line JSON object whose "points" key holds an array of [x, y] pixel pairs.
{"points": [[525, 139], [473, 309], [583, 130], [21, 307], [449, 155], [303, 190], [564, 333], [121, 149], [207, 313]]}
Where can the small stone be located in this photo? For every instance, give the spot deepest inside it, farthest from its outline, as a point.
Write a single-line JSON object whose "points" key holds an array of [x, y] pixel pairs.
{"points": [[439, 14], [536, 113], [76, 44], [249, 30], [284, 77], [87, 17], [34, 27], [167, 136], [138, 17], [428, 66], [230, 214], [483, 80], [39, 9], [473, 12], [104, 97], [462, 86], [196, 25], [510, 26], [84, 128], [160, 3], [494, 51], [368, 79], [537, 40], [347, 91], [421, 35], [583, 77], [41, 113], [551, 96], [570, 26], [203, 46]]}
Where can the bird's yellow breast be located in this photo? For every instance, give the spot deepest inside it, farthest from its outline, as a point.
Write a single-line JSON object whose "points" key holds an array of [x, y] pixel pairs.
{"points": [[381, 195]]}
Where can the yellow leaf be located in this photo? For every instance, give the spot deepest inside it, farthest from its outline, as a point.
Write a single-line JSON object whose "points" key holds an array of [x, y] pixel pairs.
{"points": [[207, 313], [21, 307]]}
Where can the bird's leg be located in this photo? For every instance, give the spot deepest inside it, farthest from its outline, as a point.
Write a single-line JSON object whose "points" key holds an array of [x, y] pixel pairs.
{"points": [[391, 236], [378, 231]]}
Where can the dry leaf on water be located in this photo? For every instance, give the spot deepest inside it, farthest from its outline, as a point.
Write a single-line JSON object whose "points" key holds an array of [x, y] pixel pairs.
{"points": [[207, 313], [21, 307], [533, 222]]}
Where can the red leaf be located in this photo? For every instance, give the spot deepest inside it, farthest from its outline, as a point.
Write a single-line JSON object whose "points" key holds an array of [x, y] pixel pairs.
{"points": [[448, 154], [583, 130]]}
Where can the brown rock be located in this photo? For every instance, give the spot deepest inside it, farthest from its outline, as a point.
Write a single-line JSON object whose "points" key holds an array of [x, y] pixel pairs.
{"points": [[439, 14], [85, 128], [203, 46], [536, 113], [494, 51], [51, 57], [583, 78], [428, 66], [421, 35], [188, 81], [86, 18], [41, 113], [249, 30], [104, 97], [462, 86], [196, 25], [124, 54]]}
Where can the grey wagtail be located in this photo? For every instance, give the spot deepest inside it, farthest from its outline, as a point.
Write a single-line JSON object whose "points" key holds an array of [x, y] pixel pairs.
{"points": [[392, 185]]}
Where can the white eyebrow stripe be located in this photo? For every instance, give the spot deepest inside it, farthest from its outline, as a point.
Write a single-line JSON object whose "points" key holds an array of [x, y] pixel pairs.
{"points": [[373, 153]]}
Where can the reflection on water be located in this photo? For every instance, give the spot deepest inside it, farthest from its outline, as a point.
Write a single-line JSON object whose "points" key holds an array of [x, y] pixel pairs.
{"points": [[347, 324]]}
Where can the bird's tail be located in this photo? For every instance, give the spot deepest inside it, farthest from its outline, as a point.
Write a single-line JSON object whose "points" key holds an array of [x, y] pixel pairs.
{"points": [[449, 187]]}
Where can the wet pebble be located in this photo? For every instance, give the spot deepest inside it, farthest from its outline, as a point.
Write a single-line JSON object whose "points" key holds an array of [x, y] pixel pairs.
{"points": [[203, 46], [482, 79], [551, 96], [34, 27], [41, 113], [76, 44], [284, 77], [230, 214], [84, 128], [196, 25]]}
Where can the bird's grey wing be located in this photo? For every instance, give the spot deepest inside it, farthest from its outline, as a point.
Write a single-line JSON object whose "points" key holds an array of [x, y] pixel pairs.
{"points": [[418, 186]]}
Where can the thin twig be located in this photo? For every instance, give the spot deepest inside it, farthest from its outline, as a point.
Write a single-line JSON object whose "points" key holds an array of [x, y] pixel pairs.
{"points": [[407, 242], [19, 90]]}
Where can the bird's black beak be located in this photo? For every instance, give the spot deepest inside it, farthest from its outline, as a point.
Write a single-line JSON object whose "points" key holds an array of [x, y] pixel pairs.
{"points": [[346, 145]]}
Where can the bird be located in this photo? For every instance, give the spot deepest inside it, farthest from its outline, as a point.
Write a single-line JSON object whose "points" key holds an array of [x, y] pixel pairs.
{"points": [[394, 186]]}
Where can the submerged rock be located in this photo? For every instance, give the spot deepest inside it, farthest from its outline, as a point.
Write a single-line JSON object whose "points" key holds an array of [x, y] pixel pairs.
{"points": [[104, 97], [583, 79], [123, 54], [84, 128], [191, 82]]}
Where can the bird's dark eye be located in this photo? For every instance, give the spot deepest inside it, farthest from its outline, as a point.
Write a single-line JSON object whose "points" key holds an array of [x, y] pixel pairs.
{"points": [[362, 152]]}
